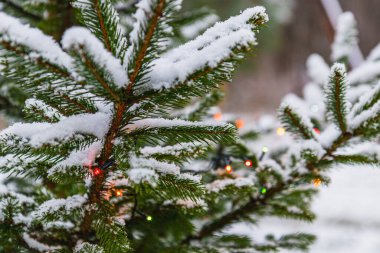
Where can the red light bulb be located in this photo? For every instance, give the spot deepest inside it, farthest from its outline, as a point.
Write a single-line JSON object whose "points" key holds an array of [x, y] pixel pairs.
{"points": [[97, 171], [248, 163]]}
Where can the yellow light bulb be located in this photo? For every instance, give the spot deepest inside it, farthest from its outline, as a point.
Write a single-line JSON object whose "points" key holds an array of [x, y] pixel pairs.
{"points": [[280, 131], [228, 168], [265, 149]]}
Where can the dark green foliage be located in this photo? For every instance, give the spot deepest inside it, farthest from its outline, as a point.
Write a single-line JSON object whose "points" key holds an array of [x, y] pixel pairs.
{"points": [[178, 134], [291, 242], [102, 19], [336, 97], [111, 235], [294, 123]]}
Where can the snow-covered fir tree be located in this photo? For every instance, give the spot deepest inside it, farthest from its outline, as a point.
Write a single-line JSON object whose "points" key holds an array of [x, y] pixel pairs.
{"points": [[97, 167], [106, 162]]}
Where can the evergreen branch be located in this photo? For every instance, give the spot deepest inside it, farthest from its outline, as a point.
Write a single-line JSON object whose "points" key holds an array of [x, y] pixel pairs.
{"points": [[95, 62], [177, 134], [370, 128], [237, 214], [95, 72], [238, 36], [102, 25], [139, 58], [298, 241], [175, 153], [117, 120], [22, 52], [295, 123], [102, 19], [112, 236], [356, 159], [94, 194], [89, 248], [49, 67], [197, 85], [336, 96], [366, 101], [17, 58], [172, 187]]}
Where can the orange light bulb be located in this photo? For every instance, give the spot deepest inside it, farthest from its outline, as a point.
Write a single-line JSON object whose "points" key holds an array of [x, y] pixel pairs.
{"points": [[239, 123], [317, 182], [218, 116], [119, 193], [228, 168]]}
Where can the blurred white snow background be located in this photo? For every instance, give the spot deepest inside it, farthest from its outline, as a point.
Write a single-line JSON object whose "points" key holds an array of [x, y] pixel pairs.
{"points": [[348, 215]]}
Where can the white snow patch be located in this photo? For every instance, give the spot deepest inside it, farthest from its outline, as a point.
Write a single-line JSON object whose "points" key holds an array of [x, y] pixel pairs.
{"points": [[207, 50], [192, 30], [346, 38], [77, 37], [38, 134]]}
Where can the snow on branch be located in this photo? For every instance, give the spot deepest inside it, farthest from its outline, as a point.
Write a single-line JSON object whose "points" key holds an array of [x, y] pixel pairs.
{"points": [[366, 72], [219, 185], [367, 100], [210, 49], [373, 113], [40, 45], [175, 150], [150, 29], [190, 31], [85, 247], [56, 205], [103, 21], [38, 134], [346, 38], [161, 122], [34, 244], [161, 167], [295, 121], [82, 40], [48, 112], [85, 157]]}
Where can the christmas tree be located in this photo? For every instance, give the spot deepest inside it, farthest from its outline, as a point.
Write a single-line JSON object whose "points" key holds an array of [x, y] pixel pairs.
{"points": [[101, 150], [105, 162]]}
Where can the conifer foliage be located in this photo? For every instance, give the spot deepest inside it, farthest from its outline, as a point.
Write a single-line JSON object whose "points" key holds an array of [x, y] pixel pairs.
{"points": [[98, 165]]}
